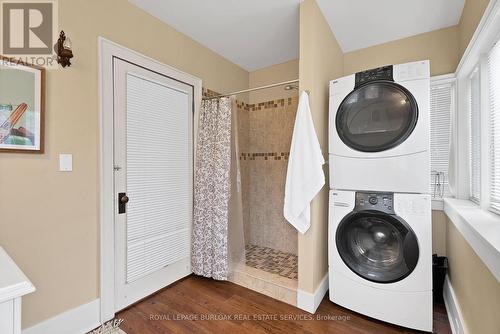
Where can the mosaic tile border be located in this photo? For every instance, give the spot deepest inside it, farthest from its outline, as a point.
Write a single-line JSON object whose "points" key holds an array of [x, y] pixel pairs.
{"points": [[279, 103], [272, 261], [265, 156], [205, 92], [271, 104]]}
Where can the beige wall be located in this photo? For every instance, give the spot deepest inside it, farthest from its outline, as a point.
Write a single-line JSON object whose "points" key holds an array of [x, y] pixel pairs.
{"points": [[320, 61], [477, 290], [439, 46], [471, 15], [439, 221], [270, 75], [49, 221]]}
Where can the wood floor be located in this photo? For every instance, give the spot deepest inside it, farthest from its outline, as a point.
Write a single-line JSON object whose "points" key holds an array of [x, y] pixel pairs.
{"points": [[200, 305]]}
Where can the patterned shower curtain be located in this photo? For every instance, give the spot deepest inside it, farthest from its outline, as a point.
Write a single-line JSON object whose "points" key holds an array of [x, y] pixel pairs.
{"points": [[212, 190]]}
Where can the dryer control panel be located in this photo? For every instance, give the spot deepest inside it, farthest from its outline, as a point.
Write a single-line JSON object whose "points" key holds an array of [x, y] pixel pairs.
{"points": [[381, 73], [377, 201]]}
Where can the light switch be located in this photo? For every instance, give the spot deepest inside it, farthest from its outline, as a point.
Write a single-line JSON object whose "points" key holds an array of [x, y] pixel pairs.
{"points": [[65, 162]]}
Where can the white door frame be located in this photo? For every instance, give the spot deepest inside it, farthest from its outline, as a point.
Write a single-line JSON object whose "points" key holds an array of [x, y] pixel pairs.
{"points": [[107, 52]]}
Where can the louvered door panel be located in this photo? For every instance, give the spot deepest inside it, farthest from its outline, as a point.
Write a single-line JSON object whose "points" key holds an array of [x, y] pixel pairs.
{"points": [[158, 180]]}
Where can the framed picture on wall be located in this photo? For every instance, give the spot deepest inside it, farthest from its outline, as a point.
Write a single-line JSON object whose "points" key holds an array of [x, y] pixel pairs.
{"points": [[21, 107]]}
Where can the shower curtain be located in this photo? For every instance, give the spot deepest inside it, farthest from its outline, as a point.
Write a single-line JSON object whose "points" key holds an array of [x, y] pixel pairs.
{"points": [[218, 227]]}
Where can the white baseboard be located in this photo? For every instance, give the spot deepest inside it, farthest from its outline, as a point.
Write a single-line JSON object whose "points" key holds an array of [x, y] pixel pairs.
{"points": [[79, 320], [453, 309], [310, 301]]}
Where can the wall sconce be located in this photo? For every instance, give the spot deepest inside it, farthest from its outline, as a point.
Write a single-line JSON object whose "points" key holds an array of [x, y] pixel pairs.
{"points": [[63, 50]]}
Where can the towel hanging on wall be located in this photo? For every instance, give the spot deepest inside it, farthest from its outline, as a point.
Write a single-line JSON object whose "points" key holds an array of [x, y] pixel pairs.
{"points": [[305, 177]]}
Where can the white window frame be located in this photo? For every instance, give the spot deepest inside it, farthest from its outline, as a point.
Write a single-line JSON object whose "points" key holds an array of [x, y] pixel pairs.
{"points": [[488, 32]]}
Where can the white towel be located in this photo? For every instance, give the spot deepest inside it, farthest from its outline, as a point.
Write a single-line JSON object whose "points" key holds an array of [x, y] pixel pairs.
{"points": [[304, 177]]}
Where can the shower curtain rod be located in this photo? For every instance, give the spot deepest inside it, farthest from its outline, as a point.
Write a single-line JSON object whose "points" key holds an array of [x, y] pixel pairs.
{"points": [[252, 89]]}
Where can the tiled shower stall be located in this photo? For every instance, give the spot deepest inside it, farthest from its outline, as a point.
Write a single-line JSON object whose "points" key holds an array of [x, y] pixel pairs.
{"points": [[264, 135]]}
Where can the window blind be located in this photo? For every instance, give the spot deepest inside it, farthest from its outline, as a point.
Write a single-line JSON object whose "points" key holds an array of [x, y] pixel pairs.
{"points": [[475, 137], [494, 121], [441, 109]]}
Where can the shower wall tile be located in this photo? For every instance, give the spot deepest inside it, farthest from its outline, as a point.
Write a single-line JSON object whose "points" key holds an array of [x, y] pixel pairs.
{"points": [[268, 128], [243, 146]]}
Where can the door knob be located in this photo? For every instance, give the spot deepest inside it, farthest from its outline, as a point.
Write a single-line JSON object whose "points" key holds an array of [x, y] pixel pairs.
{"points": [[124, 199]]}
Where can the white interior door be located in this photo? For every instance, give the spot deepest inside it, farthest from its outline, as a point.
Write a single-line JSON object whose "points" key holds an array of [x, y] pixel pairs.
{"points": [[153, 157]]}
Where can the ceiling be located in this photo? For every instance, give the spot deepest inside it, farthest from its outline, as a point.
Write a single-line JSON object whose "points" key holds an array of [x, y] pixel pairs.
{"points": [[258, 33], [358, 24], [251, 33]]}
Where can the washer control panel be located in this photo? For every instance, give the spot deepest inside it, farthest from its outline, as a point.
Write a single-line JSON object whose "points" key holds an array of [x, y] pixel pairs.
{"points": [[378, 201]]}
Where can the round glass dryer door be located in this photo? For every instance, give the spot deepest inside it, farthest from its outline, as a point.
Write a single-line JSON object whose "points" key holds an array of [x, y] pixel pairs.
{"points": [[377, 116], [379, 247]]}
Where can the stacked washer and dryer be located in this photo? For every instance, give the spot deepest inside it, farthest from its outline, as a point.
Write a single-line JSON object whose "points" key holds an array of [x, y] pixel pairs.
{"points": [[380, 232]]}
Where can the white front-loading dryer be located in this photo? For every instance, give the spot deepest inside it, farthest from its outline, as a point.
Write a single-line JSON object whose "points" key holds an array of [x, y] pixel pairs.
{"points": [[379, 131], [380, 256]]}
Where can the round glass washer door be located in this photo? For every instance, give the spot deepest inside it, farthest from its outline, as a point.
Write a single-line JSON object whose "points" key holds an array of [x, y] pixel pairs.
{"points": [[376, 116], [379, 247]]}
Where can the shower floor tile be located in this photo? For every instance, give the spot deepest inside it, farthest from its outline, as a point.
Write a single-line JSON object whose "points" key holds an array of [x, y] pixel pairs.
{"points": [[272, 261]]}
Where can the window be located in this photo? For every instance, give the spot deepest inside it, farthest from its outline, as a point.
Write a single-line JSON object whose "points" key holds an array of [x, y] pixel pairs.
{"points": [[442, 104], [475, 137], [494, 122]]}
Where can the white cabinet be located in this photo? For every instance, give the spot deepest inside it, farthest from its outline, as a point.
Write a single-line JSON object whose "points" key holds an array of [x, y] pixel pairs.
{"points": [[13, 285]]}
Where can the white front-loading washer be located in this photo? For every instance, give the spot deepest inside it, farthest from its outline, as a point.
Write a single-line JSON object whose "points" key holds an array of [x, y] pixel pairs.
{"points": [[379, 132], [380, 256]]}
